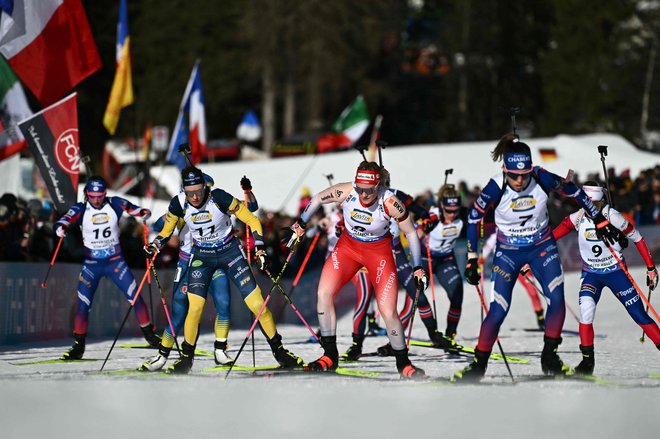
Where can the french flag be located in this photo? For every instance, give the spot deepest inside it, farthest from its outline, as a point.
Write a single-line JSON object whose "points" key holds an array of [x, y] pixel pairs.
{"points": [[48, 44], [191, 123]]}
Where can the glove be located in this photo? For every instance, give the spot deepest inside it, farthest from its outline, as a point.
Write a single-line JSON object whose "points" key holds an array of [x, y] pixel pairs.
{"points": [[428, 225], [421, 279], [60, 230], [605, 231], [472, 271], [622, 240], [261, 257], [246, 185], [339, 229], [152, 248], [145, 214], [294, 234], [651, 277]]}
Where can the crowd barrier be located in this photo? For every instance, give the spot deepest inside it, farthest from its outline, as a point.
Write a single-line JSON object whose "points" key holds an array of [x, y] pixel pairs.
{"points": [[29, 313]]}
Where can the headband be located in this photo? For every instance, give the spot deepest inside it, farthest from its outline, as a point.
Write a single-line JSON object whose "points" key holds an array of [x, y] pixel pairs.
{"points": [[518, 162], [371, 178], [595, 193]]}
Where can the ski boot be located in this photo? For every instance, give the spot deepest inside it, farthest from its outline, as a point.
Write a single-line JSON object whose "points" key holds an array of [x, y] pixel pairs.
{"points": [[551, 364], [445, 343], [184, 364], [156, 363], [220, 354], [285, 358], [150, 336], [374, 329], [330, 356], [355, 351], [405, 367], [385, 350], [540, 320], [450, 333], [586, 366], [475, 370], [77, 350]]}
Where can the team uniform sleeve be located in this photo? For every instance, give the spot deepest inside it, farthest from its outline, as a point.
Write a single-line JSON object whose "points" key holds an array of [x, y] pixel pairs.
{"points": [[620, 222], [410, 204], [72, 216], [482, 204], [569, 189], [231, 206], [334, 194], [252, 203], [123, 205], [172, 217], [565, 227]]}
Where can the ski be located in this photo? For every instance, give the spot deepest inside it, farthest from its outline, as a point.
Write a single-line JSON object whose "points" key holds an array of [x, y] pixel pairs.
{"points": [[53, 361], [241, 368], [467, 350]]}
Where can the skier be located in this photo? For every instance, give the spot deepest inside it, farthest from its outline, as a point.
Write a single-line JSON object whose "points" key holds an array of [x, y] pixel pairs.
{"points": [[443, 228], [208, 214], [600, 269], [98, 217], [367, 208], [519, 198], [219, 290]]}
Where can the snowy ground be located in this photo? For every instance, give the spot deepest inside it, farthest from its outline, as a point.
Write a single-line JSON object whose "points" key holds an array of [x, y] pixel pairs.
{"points": [[62, 400]]}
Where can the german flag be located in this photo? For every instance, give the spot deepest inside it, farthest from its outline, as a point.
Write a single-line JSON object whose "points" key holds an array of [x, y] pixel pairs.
{"points": [[548, 154]]}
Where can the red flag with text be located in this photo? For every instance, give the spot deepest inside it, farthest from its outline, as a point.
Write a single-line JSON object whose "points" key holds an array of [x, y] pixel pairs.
{"points": [[52, 135]]}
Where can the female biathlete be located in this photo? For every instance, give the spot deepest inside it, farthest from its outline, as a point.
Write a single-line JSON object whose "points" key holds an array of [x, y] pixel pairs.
{"points": [[519, 196], [600, 269], [366, 242]]}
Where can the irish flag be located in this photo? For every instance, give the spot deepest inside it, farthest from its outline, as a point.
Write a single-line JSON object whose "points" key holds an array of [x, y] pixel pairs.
{"points": [[13, 109]]}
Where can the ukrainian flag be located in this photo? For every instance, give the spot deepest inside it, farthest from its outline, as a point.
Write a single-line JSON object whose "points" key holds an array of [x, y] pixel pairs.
{"points": [[121, 95]]}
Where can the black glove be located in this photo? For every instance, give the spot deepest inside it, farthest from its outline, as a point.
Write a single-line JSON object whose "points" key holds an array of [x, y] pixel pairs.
{"points": [[421, 278], [428, 225], [246, 185], [145, 214], [339, 229], [152, 248], [472, 271], [605, 231], [294, 234], [261, 257], [651, 278]]}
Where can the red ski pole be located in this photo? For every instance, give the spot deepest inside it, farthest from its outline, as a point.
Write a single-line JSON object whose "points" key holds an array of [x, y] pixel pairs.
{"points": [[52, 261]]}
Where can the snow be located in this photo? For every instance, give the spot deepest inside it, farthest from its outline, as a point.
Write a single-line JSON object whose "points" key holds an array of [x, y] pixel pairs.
{"points": [[414, 168], [59, 400]]}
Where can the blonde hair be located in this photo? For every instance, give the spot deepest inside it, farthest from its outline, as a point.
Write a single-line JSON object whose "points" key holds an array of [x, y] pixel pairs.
{"points": [[447, 190]]}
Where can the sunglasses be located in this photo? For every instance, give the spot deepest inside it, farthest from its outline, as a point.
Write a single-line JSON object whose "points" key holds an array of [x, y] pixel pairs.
{"points": [[368, 191], [95, 197], [450, 211], [199, 193], [514, 175]]}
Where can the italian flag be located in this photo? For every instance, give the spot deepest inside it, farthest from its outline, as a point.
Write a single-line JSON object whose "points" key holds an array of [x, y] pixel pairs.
{"points": [[352, 122], [13, 109], [348, 129]]}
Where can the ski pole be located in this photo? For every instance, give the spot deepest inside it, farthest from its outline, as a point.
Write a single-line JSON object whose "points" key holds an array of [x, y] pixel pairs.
{"points": [[428, 256], [483, 262], [145, 234], [167, 312], [499, 344], [647, 311], [263, 307], [247, 245], [412, 318], [530, 279], [52, 261], [137, 294], [295, 309], [317, 235]]}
